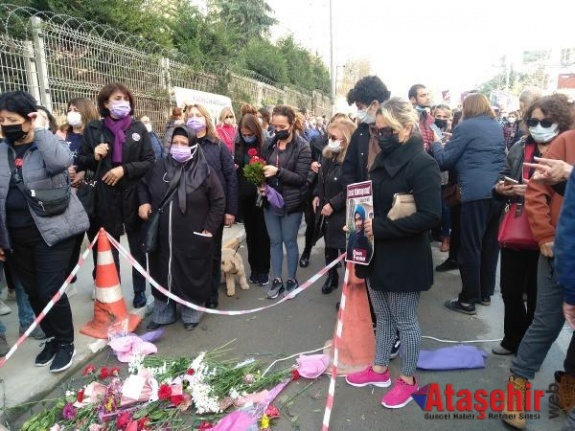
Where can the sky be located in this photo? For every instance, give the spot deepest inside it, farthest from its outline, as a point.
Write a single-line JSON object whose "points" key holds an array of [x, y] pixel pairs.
{"points": [[448, 44]]}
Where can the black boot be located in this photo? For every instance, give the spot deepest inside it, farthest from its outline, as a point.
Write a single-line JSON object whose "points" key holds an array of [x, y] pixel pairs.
{"points": [[331, 282]]}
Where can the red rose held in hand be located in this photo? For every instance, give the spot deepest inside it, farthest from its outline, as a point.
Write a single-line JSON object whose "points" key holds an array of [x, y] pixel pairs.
{"points": [[252, 152]]}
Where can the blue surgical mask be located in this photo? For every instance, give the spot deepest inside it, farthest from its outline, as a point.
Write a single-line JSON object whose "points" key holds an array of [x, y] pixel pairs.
{"points": [[249, 139]]}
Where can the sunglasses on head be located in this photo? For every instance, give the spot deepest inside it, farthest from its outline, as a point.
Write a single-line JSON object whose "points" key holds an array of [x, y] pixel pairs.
{"points": [[534, 122]]}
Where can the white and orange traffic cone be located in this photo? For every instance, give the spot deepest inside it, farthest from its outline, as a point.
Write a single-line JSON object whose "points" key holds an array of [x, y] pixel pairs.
{"points": [[109, 306], [356, 347]]}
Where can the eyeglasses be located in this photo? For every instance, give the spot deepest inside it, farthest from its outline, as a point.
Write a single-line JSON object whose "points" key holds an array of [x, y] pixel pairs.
{"points": [[545, 123]]}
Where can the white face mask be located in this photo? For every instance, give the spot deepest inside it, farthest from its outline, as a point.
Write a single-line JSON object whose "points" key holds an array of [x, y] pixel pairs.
{"points": [[148, 127], [365, 117], [542, 134], [512, 120], [74, 119], [334, 145]]}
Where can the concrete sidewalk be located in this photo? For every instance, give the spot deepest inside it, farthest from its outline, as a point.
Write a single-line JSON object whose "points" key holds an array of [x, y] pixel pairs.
{"points": [[20, 380]]}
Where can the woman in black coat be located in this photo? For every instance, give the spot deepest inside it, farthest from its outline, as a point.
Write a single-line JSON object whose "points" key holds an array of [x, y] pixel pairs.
{"points": [[402, 264], [330, 195], [120, 147], [187, 227]]}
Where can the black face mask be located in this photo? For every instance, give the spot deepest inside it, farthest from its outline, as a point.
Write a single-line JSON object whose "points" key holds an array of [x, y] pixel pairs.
{"points": [[13, 132], [388, 144], [442, 124], [282, 135]]}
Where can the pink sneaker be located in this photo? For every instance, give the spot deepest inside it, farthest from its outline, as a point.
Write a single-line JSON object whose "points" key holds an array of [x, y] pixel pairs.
{"points": [[399, 395], [368, 377]]}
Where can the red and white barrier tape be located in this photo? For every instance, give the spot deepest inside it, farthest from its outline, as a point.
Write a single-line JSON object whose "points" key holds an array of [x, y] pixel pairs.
{"points": [[126, 254], [50, 304], [335, 348]]}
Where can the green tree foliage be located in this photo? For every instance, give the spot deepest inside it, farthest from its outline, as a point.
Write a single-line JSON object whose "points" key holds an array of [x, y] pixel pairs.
{"points": [[233, 35]]}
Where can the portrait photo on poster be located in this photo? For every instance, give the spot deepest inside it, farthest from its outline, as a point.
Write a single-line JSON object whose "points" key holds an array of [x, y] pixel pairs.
{"points": [[359, 208]]}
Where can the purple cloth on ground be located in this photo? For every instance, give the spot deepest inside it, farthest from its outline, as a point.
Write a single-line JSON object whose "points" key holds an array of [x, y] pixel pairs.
{"points": [[460, 357], [274, 198]]}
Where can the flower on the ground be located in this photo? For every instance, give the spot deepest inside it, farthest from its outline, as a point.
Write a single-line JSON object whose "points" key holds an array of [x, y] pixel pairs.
{"points": [[272, 412], [90, 369], [164, 392], [123, 419], [190, 372], [95, 427], [68, 412], [104, 374], [249, 379], [265, 422], [176, 399], [252, 152], [115, 371], [143, 423], [295, 375], [205, 426], [80, 396]]}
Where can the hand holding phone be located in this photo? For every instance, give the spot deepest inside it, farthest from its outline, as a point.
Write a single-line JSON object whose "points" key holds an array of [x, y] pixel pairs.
{"points": [[508, 181]]}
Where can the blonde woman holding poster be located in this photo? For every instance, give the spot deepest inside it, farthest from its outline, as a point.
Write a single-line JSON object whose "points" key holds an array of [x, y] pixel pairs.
{"points": [[394, 282]]}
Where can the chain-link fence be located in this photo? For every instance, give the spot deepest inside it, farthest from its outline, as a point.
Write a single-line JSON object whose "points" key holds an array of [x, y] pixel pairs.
{"points": [[57, 58]]}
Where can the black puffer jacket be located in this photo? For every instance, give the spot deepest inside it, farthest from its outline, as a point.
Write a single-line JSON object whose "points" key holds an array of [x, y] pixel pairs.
{"points": [[294, 163], [354, 167]]}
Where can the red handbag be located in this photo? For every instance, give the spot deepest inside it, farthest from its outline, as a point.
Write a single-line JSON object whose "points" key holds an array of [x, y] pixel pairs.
{"points": [[514, 231]]}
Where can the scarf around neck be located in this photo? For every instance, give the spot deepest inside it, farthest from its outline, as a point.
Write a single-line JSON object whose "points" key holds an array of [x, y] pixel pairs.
{"points": [[193, 174], [118, 129]]}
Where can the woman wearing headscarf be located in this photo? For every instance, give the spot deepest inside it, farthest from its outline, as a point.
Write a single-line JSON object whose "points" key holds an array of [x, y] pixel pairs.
{"points": [[32, 159], [121, 145], [187, 226]]}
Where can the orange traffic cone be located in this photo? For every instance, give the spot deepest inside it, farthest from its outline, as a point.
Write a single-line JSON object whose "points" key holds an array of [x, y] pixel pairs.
{"points": [[356, 348], [109, 307]]}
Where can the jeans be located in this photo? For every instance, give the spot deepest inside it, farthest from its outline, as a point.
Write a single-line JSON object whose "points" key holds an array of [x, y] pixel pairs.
{"points": [[547, 323], [283, 230], [42, 270], [25, 313], [518, 276], [479, 249], [257, 239]]}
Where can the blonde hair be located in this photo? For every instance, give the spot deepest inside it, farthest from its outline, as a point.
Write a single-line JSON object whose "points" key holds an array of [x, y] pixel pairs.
{"points": [[399, 114], [224, 112], [346, 127], [210, 129]]}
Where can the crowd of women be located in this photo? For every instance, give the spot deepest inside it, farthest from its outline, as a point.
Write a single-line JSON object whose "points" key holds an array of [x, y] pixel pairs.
{"points": [[462, 172]]}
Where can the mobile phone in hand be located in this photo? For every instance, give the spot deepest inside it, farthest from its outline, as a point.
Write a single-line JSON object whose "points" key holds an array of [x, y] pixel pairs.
{"points": [[508, 181]]}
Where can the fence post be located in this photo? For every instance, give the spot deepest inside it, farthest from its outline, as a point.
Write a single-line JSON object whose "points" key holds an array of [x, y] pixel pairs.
{"points": [[31, 70], [166, 79], [41, 64]]}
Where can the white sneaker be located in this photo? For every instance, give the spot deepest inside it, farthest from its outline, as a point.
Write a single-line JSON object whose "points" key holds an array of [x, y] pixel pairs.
{"points": [[4, 309]]}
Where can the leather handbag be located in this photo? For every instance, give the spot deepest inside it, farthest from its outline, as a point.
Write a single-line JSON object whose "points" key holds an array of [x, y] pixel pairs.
{"points": [[514, 231], [452, 195], [403, 206], [150, 229]]}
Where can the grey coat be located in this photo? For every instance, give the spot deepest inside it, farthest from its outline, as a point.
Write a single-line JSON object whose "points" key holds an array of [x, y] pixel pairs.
{"points": [[45, 165]]}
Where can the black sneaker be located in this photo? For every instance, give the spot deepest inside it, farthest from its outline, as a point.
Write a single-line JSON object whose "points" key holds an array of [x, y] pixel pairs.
{"points": [[395, 349], [63, 359], [140, 300], [276, 289], [485, 301], [46, 356], [254, 278], [455, 305], [448, 265], [291, 285], [264, 279]]}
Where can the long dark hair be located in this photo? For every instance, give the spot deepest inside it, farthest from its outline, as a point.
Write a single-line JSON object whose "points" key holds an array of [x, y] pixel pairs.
{"points": [[248, 121]]}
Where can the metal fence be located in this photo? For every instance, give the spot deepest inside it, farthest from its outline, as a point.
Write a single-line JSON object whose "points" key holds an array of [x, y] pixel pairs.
{"points": [[57, 58]]}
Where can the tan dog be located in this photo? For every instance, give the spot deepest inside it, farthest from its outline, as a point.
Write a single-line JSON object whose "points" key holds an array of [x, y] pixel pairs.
{"points": [[233, 266]]}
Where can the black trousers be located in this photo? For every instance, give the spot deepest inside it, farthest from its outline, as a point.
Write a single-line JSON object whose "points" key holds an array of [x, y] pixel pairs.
{"points": [[42, 270], [455, 240], [217, 261], [309, 216], [332, 254], [518, 276], [257, 238], [135, 246], [569, 363], [479, 249]]}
